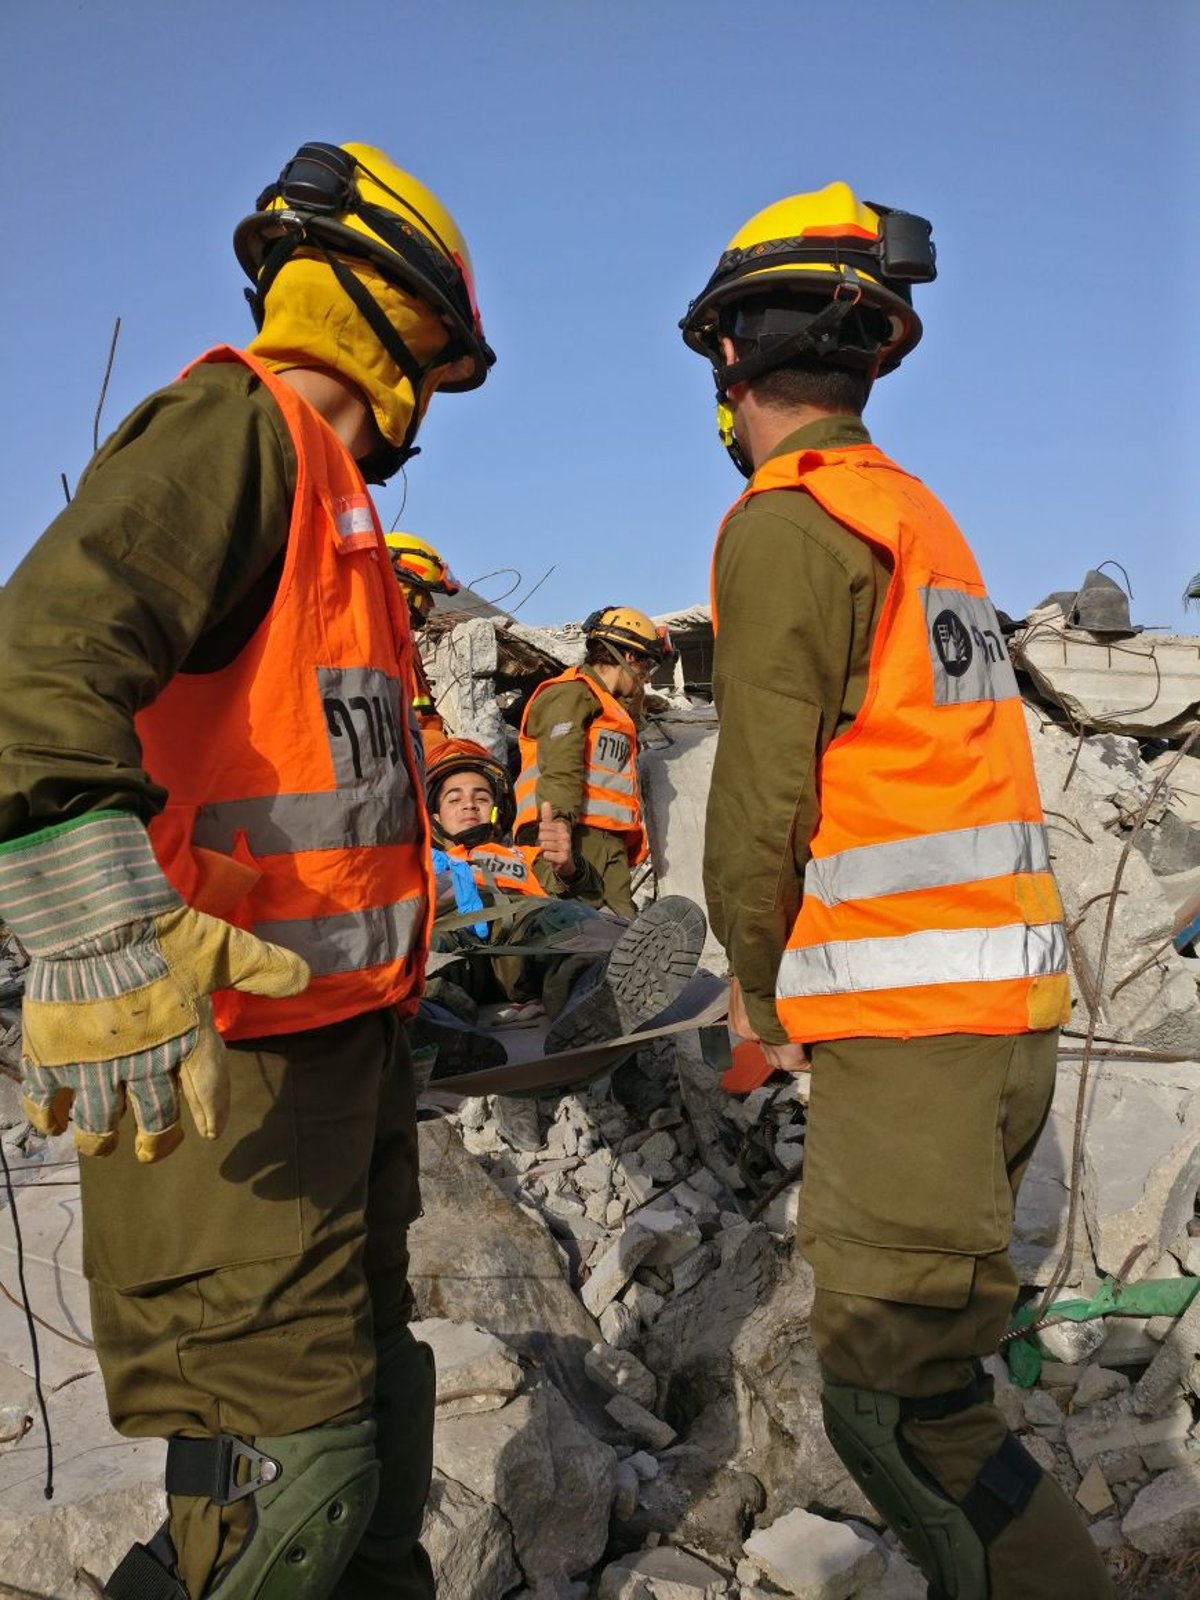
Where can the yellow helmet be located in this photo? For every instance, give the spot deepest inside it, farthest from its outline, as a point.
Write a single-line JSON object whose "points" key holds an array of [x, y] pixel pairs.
{"points": [[791, 277], [418, 565], [352, 200], [627, 629]]}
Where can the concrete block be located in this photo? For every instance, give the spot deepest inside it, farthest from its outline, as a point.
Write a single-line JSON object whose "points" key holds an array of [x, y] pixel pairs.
{"points": [[1166, 1514], [639, 1423], [815, 1558]]}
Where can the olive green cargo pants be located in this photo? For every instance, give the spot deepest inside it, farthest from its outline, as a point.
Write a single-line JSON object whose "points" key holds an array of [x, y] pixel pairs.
{"points": [[914, 1153], [241, 1285], [605, 852]]}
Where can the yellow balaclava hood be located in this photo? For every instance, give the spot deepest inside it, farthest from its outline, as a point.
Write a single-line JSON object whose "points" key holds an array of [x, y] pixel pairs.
{"points": [[310, 321]]}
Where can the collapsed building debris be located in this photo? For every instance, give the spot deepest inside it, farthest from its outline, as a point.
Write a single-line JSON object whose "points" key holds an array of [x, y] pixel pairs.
{"points": [[628, 1400]]}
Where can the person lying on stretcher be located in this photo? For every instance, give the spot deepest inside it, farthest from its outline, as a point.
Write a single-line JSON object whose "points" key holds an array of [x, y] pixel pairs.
{"points": [[606, 978]]}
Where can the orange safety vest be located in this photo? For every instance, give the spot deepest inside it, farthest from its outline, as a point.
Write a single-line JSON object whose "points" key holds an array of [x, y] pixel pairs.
{"points": [[610, 781], [929, 902], [508, 867], [294, 804]]}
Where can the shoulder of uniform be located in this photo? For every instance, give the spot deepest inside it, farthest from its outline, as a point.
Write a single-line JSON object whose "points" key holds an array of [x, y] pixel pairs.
{"points": [[772, 528]]}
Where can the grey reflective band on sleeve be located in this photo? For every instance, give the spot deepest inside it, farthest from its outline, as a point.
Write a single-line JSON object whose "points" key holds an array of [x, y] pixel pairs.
{"points": [[928, 861], [350, 941], [915, 960], [284, 824], [966, 648]]}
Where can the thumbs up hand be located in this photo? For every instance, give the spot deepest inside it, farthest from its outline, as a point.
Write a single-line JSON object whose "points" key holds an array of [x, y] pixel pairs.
{"points": [[554, 841]]}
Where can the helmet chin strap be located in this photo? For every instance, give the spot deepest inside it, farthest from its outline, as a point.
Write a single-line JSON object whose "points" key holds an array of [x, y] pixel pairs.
{"points": [[728, 438]]}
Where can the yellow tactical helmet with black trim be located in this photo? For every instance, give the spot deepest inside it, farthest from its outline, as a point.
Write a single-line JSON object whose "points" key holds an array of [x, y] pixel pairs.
{"points": [[828, 243], [625, 628], [421, 571], [398, 257]]}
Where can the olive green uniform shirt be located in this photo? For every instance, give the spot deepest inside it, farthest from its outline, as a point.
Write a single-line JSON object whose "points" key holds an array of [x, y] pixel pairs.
{"points": [[166, 560], [559, 720], [798, 598]]}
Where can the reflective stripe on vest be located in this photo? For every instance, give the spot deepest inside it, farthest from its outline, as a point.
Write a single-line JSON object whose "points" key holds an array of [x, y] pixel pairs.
{"points": [[939, 955], [293, 772], [929, 903], [930, 861], [610, 798], [507, 867], [348, 941]]}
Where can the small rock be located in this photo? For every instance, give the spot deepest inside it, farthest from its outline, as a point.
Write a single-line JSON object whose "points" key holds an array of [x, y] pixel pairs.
{"points": [[628, 1483], [620, 1372], [619, 1325], [1042, 1411], [639, 1423], [1093, 1493], [1072, 1343], [663, 1573], [644, 1302], [473, 1112], [645, 1465], [1096, 1384]]}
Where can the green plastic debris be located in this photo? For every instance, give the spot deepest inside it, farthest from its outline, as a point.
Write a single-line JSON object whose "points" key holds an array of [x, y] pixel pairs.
{"points": [[1153, 1297]]}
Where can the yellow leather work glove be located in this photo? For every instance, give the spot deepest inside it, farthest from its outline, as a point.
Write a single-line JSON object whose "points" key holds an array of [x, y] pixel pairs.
{"points": [[116, 998]]}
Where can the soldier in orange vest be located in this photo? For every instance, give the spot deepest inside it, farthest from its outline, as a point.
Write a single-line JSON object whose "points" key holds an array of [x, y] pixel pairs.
{"points": [[891, 914], [579, 748], [213, 844], [422, 572]]}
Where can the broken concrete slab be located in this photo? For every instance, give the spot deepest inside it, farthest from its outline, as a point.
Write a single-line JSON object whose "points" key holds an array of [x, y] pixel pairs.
{"points": [[813, 1557], [1144, 686], [664, 1573], [469, 1543], [1113, 1428], [1166, 1514], [503, 1272], [1141, 1161], [475, 1370], [1141, 1172], [1169, 1372], [549, 1477], [462, 670], [1144, 992]]}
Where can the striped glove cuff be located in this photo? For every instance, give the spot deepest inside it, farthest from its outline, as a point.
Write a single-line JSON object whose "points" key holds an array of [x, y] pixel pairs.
{"points": [[79, 880]]}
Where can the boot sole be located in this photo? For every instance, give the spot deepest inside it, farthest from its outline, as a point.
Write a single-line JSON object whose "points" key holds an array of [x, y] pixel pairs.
{"points": [[650, 966]]}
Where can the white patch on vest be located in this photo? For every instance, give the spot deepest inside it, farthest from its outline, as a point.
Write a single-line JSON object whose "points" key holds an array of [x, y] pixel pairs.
{"points": [[354, 522], [560, 728], [966, 648]]}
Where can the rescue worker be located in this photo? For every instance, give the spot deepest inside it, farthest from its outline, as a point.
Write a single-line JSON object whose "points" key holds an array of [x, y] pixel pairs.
{"points": [[209, 789], [471, 807], [579, 749], [421, 573], [892, 912]]}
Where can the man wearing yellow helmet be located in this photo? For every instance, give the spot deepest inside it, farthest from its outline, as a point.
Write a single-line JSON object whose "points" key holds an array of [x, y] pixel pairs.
{"points": [[213, 844], [892, 909], [421, 572], [579, 748]]}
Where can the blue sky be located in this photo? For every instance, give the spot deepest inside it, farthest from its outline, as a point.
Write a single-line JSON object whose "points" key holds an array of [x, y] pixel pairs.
{"points": [[598, 158]]}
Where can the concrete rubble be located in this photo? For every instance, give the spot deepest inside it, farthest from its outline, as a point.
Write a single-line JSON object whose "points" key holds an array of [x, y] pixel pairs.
{"points": [[628, 1401]]}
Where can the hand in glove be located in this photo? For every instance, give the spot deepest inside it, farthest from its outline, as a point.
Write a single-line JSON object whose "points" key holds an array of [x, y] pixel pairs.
{"points": [[116, 997]]}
